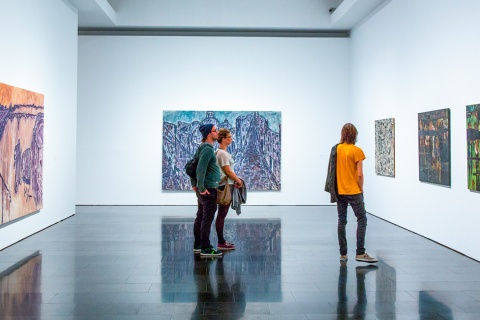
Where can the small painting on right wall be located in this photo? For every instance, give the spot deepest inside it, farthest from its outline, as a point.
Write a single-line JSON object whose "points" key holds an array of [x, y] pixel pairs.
{"points": [[473, 147], [385, 147], [434, 146]]}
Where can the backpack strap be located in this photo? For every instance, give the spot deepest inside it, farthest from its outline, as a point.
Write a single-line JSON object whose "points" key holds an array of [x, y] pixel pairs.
{"points": [[202, 146]]}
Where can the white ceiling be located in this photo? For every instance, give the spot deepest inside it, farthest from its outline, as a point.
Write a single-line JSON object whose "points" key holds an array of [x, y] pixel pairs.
{"points": [[313, 15]]}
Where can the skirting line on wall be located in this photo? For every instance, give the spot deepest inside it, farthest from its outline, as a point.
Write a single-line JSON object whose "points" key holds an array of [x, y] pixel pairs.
{"points": [[418, 234], [194, 205]]}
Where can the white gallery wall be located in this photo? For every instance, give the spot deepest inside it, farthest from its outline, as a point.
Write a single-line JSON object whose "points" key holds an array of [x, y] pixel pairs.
{"points": [[126, 82], [417, 56], [39, 53]]}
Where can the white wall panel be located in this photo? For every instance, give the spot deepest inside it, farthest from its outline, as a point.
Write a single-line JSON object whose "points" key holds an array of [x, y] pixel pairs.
{"points": [[39, 53], [125, 83], [411, 57]]}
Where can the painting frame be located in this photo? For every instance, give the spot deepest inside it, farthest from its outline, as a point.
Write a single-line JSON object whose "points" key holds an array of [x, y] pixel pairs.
{"points": [[434, 155], [385, 147], [21, 152], [255, 149], [473, 147]]}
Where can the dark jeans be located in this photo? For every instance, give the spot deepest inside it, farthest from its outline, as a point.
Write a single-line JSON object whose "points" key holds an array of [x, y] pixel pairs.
{"points": [[207, 206], [220, 221], [358, 206]]}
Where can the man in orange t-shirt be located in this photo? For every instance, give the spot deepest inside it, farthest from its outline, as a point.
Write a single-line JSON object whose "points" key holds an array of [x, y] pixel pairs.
{"points": [[349, 170]]}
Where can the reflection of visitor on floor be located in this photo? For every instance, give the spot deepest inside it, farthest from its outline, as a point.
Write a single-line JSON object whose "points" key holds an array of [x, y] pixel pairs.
{"points": [[219, 291], [201, 270], [361, 305]]}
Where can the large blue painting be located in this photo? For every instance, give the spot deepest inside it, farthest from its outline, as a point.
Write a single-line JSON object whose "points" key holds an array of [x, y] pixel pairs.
{"points": [[256, 146]]}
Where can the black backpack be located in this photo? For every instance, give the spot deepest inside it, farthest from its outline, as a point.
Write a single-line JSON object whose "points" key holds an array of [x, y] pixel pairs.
{"points": [[191, 165]]}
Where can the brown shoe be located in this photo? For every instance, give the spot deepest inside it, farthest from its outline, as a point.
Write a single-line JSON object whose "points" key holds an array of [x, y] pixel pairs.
{"points": [[365, 258]]}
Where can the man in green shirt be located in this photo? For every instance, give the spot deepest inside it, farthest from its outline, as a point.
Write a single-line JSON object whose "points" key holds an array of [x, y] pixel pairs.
{"points": [[205, 186]]}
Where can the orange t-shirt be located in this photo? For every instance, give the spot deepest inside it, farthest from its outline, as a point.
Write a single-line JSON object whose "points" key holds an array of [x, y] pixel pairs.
{"points": [[347, 157]]}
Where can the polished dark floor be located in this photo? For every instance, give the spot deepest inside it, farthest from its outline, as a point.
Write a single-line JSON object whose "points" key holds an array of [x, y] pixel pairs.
{"points": [[137, 263]]}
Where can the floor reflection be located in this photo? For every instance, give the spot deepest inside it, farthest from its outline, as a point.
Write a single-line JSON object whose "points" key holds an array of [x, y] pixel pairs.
{"points": [[17, 283], [218, 291], [430, 306], [138, 263], [254, 267], [359, 310], [386, 290]]}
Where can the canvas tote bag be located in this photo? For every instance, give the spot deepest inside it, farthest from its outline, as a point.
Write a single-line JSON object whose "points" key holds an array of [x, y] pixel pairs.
{"points": [[224, 197]]}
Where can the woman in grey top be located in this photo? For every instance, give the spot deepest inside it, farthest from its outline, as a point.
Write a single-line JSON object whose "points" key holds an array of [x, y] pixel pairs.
{"points": [[225, 162]]}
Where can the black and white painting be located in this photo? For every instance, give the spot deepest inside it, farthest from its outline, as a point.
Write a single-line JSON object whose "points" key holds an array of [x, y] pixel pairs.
{"points": [[385, 147]]}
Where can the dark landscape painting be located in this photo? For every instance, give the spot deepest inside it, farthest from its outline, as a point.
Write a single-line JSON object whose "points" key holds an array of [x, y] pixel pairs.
{"points": [[473, 147], [21, 152], [256, 146], [434, 146]]}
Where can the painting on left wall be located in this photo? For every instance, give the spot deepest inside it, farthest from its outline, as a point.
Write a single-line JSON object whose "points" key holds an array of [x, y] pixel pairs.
{"points": [[21, 152]]}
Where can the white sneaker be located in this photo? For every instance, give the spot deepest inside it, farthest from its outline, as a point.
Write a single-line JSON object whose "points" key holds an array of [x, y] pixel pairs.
{"points": [[365, 258]]}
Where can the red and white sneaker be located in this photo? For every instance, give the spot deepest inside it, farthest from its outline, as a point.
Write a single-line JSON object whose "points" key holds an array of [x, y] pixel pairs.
{"points": [[226, 246]]}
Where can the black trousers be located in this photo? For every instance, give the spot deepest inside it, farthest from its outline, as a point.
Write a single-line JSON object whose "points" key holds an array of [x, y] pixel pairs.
{"points": [[207, 206]]}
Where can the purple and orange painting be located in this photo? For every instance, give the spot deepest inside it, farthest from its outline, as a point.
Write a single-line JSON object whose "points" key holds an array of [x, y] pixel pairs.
{"points": [[21, 152]]}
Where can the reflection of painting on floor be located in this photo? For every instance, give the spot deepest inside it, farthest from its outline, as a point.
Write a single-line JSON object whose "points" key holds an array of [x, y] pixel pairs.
{"points": [[21, 152], [385, 147], [17, 285], [258, 253], [430, 304], [434, 146], [256, 146], [473, 147], [386, 286]]}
